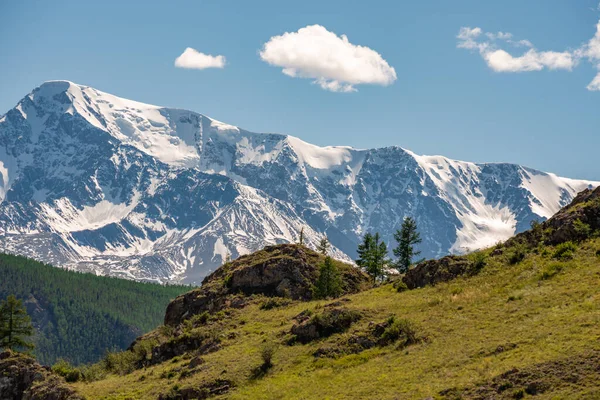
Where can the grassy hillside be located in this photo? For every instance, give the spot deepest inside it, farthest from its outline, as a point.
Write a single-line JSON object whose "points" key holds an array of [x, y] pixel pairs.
{"points": [[515, 321], [537, 314], [78, 316]]}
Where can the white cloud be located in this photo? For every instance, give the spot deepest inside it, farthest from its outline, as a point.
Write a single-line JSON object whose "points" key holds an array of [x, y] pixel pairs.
{"points": [[591, 50], [332, 61], [522, 43], [193, 59], [467, 38], [532, 60], [499, 35], [500, 60], [594, 85]]}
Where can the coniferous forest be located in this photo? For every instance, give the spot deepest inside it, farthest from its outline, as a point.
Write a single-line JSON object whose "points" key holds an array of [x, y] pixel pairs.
{"points": [[78, 316]]}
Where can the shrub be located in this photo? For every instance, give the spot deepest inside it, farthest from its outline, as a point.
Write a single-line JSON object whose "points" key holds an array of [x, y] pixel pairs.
{"points": [[401, 330], [536, 228], [479, 261], [66, 370], [564, 251], [266, 354], [200, 319], [582, 230], [94, 372], [400, 286], [456, 290], [551, 270], [166, 330], [516, 254], [143, 349], [543, 250], [121, 363]]}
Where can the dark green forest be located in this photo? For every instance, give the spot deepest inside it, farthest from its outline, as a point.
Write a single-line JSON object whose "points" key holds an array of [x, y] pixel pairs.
{"points": [[80, 316]]}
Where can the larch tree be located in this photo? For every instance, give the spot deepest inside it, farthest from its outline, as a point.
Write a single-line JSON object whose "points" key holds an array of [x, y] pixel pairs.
{"points": [[329, 283], [15, 325], [407, 237], [323, 246], [372, 255]]}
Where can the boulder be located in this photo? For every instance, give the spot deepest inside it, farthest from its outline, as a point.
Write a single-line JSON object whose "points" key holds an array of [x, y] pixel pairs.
{"points": [[431, 272]]}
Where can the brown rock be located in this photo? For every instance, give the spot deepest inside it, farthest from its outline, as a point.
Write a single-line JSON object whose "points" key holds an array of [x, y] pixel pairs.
{"points": [[431, 272]]}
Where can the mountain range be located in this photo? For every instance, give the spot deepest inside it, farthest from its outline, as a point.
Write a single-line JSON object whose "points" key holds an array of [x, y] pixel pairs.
{"points": [[94, 182]]}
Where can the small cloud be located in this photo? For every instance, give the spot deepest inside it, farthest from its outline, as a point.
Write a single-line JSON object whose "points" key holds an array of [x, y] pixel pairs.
{"points": [[522, 43], [467, 38], [193, 59], [500, 60], [499, 35], [591, 51], [594, 85], [332, 61]]}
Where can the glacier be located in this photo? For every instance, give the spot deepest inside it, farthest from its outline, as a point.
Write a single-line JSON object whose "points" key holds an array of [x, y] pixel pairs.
{"points": [[93, 182]]}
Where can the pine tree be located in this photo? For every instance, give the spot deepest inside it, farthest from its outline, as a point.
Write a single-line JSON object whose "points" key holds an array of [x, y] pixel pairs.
{"points": [[323, 246], [407, 237], [329, 283], [365, 252], [372, 255], [301, 240], [380, 257], [15, 325]]}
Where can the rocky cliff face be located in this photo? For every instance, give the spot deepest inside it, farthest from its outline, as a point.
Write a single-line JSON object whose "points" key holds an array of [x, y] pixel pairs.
{"points": [[99, 183]]}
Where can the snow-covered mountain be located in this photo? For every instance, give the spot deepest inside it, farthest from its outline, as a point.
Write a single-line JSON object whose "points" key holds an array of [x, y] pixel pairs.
{"points": [[95, 182]]}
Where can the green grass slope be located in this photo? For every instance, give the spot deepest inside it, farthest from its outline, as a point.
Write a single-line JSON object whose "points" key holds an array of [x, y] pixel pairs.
{"points": [[515, 321], [78, 316], [510, 315]]}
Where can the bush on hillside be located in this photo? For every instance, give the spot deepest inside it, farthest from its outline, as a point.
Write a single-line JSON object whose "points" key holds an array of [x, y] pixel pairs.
{"points": [[400, 286], [582, 230], [67, 371], [399, 330], [565, 251], [551, 270], [479, 260], [516, 253]]}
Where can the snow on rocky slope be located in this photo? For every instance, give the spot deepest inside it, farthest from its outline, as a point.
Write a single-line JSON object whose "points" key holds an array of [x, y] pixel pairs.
{"points": [[99, 183]]}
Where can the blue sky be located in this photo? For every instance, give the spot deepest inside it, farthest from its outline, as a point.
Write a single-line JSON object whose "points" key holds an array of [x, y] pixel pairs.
{"points": [[445, 99]]}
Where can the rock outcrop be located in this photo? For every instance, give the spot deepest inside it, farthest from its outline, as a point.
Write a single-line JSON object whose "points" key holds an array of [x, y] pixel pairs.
{"points": [[22, 378], [285, 270], [431, 272], [578, 221]]}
